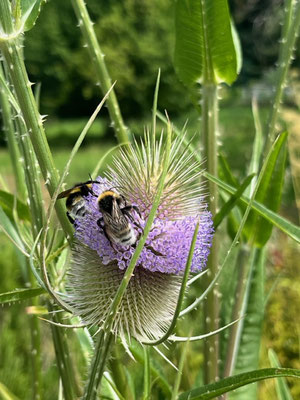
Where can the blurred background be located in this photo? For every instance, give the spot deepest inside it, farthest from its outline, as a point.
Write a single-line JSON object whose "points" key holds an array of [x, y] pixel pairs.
{"points": [[137, 37]]}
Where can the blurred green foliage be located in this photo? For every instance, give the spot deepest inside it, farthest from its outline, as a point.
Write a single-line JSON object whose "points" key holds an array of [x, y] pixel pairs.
{"points": [[136, 37]]}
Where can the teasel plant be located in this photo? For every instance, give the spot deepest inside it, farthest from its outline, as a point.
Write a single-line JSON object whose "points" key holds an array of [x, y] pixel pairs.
{"points": [[111, 299]]}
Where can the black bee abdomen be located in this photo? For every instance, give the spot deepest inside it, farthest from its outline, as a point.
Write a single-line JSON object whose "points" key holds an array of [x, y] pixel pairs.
{"points": [[85, 190], [71, 198]]}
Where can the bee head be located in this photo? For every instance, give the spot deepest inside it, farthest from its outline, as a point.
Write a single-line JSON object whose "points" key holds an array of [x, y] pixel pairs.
{"points": [[106, 200]]}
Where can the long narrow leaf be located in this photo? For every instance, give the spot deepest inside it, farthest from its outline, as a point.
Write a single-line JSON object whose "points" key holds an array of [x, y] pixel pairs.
{"points": [[228, 206], [281, 223], [216, 389], [269, 193], [20, 294], [282, 389], [7, 202], [248, 338]]}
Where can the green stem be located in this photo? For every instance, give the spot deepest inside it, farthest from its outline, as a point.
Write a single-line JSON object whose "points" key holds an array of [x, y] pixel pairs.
{"points": [[117, 370], [179, 372], [289, 35], [34, 194], [97, 58], [13, 149], [147, 374], [32, 181], [158, 378], [211, 307], [64, 364], [18, 75], [34, 323], [108, 338], [239, 308]]}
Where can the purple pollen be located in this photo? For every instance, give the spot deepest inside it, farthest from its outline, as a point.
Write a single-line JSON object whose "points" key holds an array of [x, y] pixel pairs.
{"points": [[167, 246]]}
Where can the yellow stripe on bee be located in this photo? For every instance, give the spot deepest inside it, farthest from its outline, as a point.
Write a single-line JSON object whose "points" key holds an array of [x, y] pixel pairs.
{"points": [[108, 193]]}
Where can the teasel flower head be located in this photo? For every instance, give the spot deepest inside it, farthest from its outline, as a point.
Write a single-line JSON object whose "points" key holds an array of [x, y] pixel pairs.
{"points": [[98, 265]]}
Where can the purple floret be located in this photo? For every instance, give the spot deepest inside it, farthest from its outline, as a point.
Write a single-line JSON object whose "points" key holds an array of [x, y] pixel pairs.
{"points": [[167, 246]]}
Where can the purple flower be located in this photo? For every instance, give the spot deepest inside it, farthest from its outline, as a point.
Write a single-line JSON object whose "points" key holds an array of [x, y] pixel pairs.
{"points": [[167, 245], [99, 263]]}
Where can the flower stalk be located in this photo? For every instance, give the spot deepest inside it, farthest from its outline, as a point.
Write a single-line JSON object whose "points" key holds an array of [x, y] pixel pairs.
{"points": [[209, 128], [97, 58], [290, 31], [13, 148]]}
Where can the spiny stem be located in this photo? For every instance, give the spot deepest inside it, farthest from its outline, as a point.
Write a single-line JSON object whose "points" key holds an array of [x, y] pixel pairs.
{"points": [[290, 31], [18, 75], [211, 308], [34, 195], [64, 364], [97, 58], [13, 149], [35, 345]]}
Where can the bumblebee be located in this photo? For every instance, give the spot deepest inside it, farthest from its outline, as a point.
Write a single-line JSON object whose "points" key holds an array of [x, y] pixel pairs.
{"points": [[116, 218], [75, 202], [117, 221]]}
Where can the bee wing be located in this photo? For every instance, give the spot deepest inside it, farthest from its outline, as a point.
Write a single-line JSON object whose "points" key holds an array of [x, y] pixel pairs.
{"points": [[65, 193]]}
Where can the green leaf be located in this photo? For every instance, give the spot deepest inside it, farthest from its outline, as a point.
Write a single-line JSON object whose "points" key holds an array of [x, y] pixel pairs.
{"points": [[9, 229], [257, 145], [283, 224], [156, 372], [225, 172], [30, 10], [216, 389], [8, 201], [283, 392], [249, 336], [204, 48], [228, 206], [20, 294], [268, 194]]}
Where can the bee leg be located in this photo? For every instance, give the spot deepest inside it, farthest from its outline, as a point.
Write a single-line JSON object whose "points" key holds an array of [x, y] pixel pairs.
{"points": [[102, 227], [150, 248], [155, 252], [137, 210], [129, 207], [99, 222], [132, 220], [70, 218]]}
